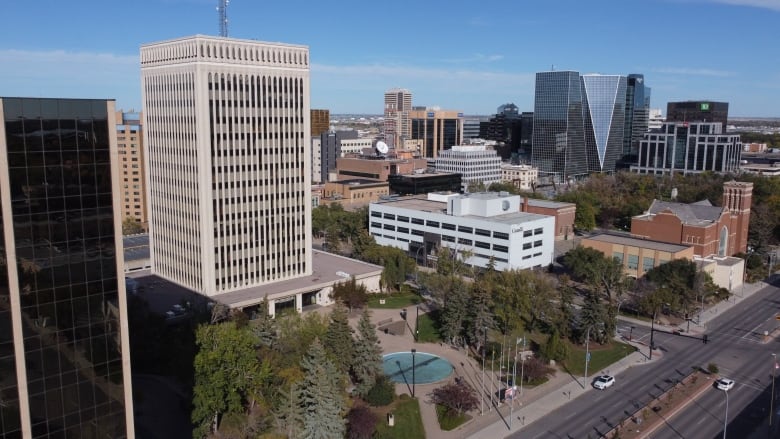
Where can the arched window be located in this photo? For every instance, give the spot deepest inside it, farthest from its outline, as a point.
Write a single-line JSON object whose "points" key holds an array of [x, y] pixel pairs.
{"points": [[724, 241]]}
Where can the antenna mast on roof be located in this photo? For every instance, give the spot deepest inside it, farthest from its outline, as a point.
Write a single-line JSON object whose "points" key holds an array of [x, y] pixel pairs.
{"points": [[223, 20]]}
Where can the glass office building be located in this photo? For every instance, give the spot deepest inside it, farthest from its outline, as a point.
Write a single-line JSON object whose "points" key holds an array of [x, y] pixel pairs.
{"points": [[64, 358], [603, 120], [637, 116], [558, 147]]}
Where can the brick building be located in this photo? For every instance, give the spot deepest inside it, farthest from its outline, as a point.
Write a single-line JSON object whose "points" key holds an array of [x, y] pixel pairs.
{"points": [[563, 213], [711, 230]]}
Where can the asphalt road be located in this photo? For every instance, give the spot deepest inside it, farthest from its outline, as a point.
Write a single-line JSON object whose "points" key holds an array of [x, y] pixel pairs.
{"points": [[735, 345]]}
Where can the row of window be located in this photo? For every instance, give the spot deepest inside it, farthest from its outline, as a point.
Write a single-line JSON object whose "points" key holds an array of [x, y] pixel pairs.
{"points": [[632, 263], [445, 226]]}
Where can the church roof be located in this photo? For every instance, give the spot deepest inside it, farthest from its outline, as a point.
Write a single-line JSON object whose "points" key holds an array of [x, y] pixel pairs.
{"points": [[699, 213]]}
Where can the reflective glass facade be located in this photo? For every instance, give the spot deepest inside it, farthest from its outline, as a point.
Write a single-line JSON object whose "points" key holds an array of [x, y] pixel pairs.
{"points": [[603, 119], [59, 293], [637, 116], [558, 139], [698, 111]]}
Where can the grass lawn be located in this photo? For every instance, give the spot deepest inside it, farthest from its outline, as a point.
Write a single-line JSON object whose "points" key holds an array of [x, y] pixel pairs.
{"points": [[393, 301], [449, 423], [429, 328], [600, 357], [408, 422]]}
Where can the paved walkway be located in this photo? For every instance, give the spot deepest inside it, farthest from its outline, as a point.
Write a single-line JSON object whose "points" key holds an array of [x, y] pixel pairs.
{"points": [[493, 419]]}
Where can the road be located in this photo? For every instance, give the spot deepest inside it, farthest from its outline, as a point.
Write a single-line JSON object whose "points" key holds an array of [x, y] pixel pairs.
{"points": [[735, 345]]}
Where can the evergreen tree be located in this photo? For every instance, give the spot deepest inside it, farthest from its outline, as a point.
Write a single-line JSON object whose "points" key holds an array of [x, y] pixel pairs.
{"points": [[319, 395], [455, 312], [480, 315], [289, 415], [338, 340], [265, 325], [367, 361]]}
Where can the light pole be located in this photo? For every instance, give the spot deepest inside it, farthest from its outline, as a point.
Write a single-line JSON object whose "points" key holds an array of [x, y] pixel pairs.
{"points": [[617, 314], [587, 353], [630, 333], [482, 395], [414, 351], [726, 418], [522, 366], [417, 324], [772, 397]]}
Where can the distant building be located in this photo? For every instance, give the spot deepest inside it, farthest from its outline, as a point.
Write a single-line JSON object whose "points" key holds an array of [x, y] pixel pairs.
{"points": [[510, 128], [698, 111], [316, 159], [656, 119], [356, 146], [320, 122], [397, 123], [711, 230], [522, 177], [130, 143], [376, 167], [578, 123], [471, 128], [637, 117], [688, 148], [438, 130], [637, 256], [475, 164], [754, 147], [482, 228], [330, 145], [763, 169], [353, 193]]}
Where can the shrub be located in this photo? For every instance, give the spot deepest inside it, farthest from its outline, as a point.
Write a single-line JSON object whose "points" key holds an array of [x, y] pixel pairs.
{"points": [[361, 423], [457, 398], [382, 393], [712, 368]]}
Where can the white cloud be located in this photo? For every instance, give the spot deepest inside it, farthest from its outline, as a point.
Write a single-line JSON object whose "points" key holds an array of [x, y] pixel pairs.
{"points": [[692, 71], [383, 73], [767, 4]]}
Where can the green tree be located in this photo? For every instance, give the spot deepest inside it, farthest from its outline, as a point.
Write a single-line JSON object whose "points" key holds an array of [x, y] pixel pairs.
{"points": [[480, 315], [593, 318], [227, 374], [367, 360], [321, 400], [265, 325], [555, 348], [131, 226], [350, 293], [565, 306], [338, 340], [454, 313]]}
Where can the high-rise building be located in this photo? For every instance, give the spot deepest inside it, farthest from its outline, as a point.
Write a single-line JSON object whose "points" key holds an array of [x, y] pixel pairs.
{"points": [[437, 130], [603, 111], [558, 147], [130, 143], [637, 117], [320, 122], [64, 348], [698, 111], [330, 145], [578, 123], [475, 164], [229, 171], [397, 125]]}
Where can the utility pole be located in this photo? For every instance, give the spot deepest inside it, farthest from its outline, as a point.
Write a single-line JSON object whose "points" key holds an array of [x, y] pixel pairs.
{"points": [[772, 398], [587, 353]]}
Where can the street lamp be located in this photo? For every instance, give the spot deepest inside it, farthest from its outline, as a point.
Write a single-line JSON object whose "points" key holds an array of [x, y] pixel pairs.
{"points": [[630, 333], [726, 418], [482, 396], [772, 398], [414, 351], [617, 314], [417, 324], [587, 353]]}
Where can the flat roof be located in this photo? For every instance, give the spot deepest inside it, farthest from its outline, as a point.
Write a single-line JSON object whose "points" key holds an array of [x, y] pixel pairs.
{"points": [[136, 247], [638, 242], [549, 204], [422, 204]]}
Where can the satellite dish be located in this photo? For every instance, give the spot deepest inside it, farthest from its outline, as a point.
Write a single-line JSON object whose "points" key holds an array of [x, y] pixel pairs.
{"points": [[382, 147]]}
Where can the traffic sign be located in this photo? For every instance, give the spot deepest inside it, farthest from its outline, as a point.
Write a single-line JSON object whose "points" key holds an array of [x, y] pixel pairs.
{"points": [[587, 357]]}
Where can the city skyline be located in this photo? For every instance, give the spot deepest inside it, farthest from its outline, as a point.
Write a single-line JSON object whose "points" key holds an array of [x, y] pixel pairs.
{"points": [[465, 59]]}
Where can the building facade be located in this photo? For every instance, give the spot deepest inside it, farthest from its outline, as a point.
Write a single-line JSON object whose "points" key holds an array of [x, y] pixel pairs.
{"points": [[330, 150], [688, 148], [699, 111], [711, 230], [475, 164], [480, 228], [637, 111], [320, 121], [564, 214], [423, 183], [637, 256], [604, 107], [522, 177], [397, 122], [130, 143], [227, 131], [376, 167], [64, 346], [353, 193], [438, 130]]}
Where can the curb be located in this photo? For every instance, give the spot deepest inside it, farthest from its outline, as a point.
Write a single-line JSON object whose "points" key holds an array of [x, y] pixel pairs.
{"points": [[658, 423]]}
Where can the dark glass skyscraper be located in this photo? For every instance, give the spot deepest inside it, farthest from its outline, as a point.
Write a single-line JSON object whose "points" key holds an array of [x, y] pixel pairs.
{"points": [[64, 358], [698, 111], [558, 138], [637, 117]]}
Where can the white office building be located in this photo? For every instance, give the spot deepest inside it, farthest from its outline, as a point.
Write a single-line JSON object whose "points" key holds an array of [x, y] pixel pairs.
{"points": [[355, 146], [229, 170], [486, 225], [475, 163], [520, 176]]}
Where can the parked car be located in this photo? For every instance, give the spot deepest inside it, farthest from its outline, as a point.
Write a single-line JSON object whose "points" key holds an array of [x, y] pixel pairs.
{"points": [[724, 384], [603, 382]]}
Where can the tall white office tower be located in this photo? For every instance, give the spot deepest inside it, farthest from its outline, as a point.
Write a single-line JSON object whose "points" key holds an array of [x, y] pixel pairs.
{"points": [[229, 166]]}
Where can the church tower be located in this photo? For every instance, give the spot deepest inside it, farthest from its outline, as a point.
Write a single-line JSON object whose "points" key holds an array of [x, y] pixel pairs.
{"points": [[737, 198]]}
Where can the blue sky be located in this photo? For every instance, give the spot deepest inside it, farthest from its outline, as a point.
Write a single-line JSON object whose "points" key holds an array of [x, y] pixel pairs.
{"points": [[470, 56]]}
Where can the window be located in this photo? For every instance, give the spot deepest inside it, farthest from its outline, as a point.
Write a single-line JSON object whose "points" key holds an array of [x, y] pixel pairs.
{"points": [[501, 248], [500, 235], [430, 223], [464, 241], [633, 262], [537, 254], [403, 219], [465, 229], [647, 264], [481, 244], [538, 243], [526, 257], [618, 256], [389, 227], [527, 233], [526, 246], [376, 214], [376, 224], [448, 226], [447, 238], [417, 221], [403, 230], [538, 231], [482, 232], [389, 216], [418, 233]]}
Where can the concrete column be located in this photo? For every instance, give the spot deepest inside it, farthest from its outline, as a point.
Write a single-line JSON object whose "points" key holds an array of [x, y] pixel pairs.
{"points": [[299, 302]]}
